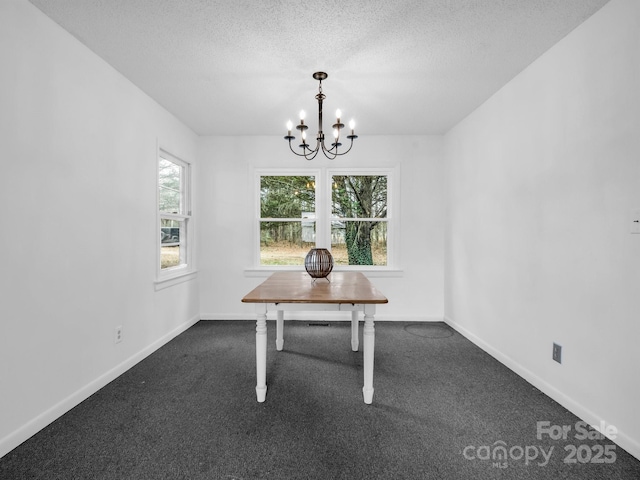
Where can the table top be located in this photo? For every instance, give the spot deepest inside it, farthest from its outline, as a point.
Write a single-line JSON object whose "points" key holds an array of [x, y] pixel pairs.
{"points": [[299, 287]]}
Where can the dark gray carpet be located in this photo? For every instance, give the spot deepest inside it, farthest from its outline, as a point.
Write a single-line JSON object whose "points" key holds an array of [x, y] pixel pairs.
{"points": [[189, 412]]}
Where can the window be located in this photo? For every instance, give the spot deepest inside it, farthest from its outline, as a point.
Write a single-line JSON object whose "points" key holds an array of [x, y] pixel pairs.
{"points": [[174, 207], [347, 212], [359, 219], [287, 218]]}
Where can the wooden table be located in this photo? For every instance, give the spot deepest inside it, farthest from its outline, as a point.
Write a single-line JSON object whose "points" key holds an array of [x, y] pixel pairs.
{"points": [[343, 291]]}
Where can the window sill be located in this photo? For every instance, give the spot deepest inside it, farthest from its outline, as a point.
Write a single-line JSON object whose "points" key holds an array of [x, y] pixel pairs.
{"points": [[371, 272], [175, 279]]}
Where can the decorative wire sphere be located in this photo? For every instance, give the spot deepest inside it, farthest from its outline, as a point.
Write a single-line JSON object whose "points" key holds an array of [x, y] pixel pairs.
{"points": [[318, 262]]}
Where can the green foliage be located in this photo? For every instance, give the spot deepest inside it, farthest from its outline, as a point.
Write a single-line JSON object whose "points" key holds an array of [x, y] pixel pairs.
{"points": [[363, 196], [286, 196], [358, 239]]}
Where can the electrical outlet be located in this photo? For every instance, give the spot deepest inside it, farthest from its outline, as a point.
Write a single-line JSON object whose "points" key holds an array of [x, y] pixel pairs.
{"points": [[557, 352], [635, 221], [118, 337]]}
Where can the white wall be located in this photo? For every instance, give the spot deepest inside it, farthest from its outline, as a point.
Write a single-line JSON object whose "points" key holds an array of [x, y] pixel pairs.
{"points": [[79, 230], [227, 213], [540, 183]]}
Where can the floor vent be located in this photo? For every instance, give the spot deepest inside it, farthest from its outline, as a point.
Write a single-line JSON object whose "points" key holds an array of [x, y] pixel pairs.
{"points": [[318, 324]]}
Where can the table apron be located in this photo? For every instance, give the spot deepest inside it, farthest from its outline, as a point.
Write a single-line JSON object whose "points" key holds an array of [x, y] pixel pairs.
{"points": [[325, 307]]}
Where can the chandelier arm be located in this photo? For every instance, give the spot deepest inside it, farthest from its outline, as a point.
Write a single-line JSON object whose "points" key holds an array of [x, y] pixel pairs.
{"points": [[296, 153], [313, 152], [347, 150], [351, 138], [309, 156], [328, 152]]}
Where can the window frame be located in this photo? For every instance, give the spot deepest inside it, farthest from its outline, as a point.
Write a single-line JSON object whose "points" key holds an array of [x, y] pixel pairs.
{"points": [[184, 216], [388, 172], [323, 207], [257, 231]]}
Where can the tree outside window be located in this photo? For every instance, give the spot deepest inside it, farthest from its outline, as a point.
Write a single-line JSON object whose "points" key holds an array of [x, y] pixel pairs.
{"points": [[354, 219], [359, 219]]}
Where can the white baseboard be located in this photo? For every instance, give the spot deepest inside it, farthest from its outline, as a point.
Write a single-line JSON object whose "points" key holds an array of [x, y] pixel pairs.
{"points": [[623, 440], [32, 427]]}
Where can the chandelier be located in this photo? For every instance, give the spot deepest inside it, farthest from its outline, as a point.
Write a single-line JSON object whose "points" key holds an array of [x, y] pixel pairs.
{"points": [[307, 151]]}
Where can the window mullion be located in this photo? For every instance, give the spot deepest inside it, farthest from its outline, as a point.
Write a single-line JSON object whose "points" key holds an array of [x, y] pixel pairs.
{"points": [[323, 211], [174, 216]]}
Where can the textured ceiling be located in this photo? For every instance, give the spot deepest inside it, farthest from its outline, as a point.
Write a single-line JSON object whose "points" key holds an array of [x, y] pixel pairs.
{"points": [[243, 67]]}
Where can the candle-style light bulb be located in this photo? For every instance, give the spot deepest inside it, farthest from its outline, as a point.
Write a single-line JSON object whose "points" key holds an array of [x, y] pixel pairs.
{"points": [[289, 126], [338, 114], [304, 136], [352, 125], [336, 133], [302, 116]]}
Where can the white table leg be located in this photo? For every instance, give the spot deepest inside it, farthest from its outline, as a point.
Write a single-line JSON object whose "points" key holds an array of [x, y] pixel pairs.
{"points": [[354, 330], [280, 330], [368, 338], [261, 352]]}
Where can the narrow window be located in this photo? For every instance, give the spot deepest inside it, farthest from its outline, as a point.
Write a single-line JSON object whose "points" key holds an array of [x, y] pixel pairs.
{"points": [[174, 211]]}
